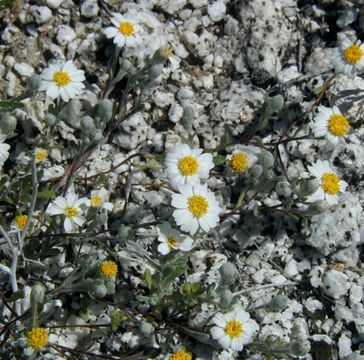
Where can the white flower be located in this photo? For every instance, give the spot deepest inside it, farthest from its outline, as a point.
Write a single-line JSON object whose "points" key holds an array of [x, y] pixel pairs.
{"points": [[62, 80], [242, 158], [168, 53], [349, 57], [170, 238], [330, 183], [126, 31], [196, 207], [233, 330], [330, 123], [99, 199], [4, 152], [70, 207], [186, 166]]}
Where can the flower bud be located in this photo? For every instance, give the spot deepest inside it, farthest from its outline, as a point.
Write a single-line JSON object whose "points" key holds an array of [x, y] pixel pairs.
{"points": [[299, 347], [97, 135], [87, 124], [37, 294], [146, 328], [228, 273], [317, 207], [283, 189], [255, 172], [307, 187], [34, 83], [104, 110], [188, 116], [50, 119], [98, 289], [226, 298], [155, 71], [266, 160], [278, 303], [7, 124]]}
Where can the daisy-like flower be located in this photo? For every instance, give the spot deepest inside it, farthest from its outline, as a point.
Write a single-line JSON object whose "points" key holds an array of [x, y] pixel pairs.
{"points": [[170, 239], [168, 54], [330, 183], [197, 208], [37, 338], [40, 154], [242, 158], [349, 57], [21, 221], [99, 199], [109, 269], [186, 166], [181, 355], [126, 31], [70, 207], [4, 152], [232, 330], [330, 123], [62, 80]]}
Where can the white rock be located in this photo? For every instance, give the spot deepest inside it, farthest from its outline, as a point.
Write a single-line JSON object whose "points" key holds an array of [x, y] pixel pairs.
{"points": [[175, 112], [163, 99], [312, 305], [89, 8], [52, 172], [175, 5], [54, 4], [347, 17], [2, 70], [216, 10], [335, 284], [40, 14], [344, 345], [65, 35], [356, 294], [198, 3], [24, 69]]}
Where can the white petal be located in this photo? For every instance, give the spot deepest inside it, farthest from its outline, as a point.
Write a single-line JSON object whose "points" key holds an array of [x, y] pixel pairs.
{"points": [[110, 32], [68, 225]]}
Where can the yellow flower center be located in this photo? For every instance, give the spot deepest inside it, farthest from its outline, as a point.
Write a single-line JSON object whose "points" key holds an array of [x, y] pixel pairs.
{"points": [[239, 162], [96, 201], [188, 165], [198, 205], [71, 212], [126, 28], [171, 242], [37, 338], [40, 154], [234, 328], [330, 183], [21, 221], [353, 54], [338, 125], [180, 355], [109, 269], [61, 78], [167, 52]]}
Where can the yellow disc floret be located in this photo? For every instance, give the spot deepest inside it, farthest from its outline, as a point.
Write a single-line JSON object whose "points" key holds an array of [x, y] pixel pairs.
{"points": [[37, 338], [21, 221], [126, 28], [109, 269], [234, 328], [353, 54], [181, 355], [71, 212], [40, 154], [239, 162], [338, 125], [61, 78], [96, 201], [171, 242], [188, 165], [330, 183], [198, 205], [166, 52]]}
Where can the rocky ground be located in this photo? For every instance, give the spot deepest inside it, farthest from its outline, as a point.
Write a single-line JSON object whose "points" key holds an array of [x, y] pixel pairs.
{"points": [[235, 56]]}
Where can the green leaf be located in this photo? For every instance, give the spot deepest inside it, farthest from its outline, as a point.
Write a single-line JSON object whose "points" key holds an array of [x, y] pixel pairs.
{"points": [[219, 160], [199, 336], [16, 296], [148, 279], [148, 165], [46, 194], [11, 105]]}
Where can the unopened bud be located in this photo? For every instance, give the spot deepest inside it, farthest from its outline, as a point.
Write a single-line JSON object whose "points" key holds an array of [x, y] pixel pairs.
{"points": [[50, 119], [266, 160], [98, 289], [34, 82], [317, 207], [104, 110], [307, 187], [146, 328], [228, 273], [279, 303], [299, 347], [87, 124], [226, 298], [37, 294], [255, 172], [283, 189], [7, 124]]}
